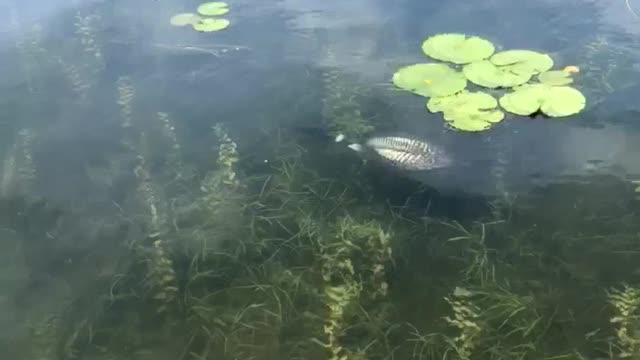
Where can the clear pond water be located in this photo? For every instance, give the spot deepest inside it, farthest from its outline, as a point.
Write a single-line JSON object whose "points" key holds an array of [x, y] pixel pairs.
{"points": [[172, 194]]}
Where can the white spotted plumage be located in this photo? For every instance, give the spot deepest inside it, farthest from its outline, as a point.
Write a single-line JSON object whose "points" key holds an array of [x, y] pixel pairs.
{"points": [[406, 153]]}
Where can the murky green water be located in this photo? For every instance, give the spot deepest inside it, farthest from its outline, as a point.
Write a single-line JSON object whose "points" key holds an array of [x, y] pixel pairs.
{"points": [[169, 194]]}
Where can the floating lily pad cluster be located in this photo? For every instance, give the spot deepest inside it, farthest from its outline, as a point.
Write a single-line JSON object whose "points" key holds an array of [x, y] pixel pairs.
{"points": [[533, 85], [204, 20]]}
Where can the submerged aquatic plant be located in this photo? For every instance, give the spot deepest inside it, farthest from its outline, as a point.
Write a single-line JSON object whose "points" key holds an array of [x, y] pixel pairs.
{"points": [[338, 298], [353, 259], [90, 64], [174, 159], [465, 319], [162, 277], [126, 95], [262, 294], [626, 303], [27, 169], [342, 106], [227, 157], [27, 48], [341, 288], [636, 184], [45, 337], [86, 30], [19, 169]]}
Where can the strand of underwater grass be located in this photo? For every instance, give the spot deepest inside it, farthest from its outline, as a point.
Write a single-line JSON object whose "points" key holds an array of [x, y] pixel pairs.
{"points": [[628, 4]]}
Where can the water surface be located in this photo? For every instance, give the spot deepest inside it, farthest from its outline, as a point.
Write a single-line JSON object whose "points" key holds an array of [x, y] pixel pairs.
{"points": [[128, 233]]}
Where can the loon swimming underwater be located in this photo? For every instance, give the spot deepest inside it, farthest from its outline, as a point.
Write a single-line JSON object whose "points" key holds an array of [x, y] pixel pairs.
{"points": [[405, 153]]}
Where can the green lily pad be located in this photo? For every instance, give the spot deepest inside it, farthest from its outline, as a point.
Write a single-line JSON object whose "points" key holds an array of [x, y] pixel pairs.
{"points": [[523, 62], [430, 80], [555, 78], [563, 101], [184, 19], [207, 25], [485, 73], [554, 101], [467, 111], [525, 100], [457, 48], [213, 8]]}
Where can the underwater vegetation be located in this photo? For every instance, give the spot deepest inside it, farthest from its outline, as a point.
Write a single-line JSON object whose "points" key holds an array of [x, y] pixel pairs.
{"points": [[204, 21], [342, 106], [636, 189], [289, 263], [230, 257], [464, 110]]}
